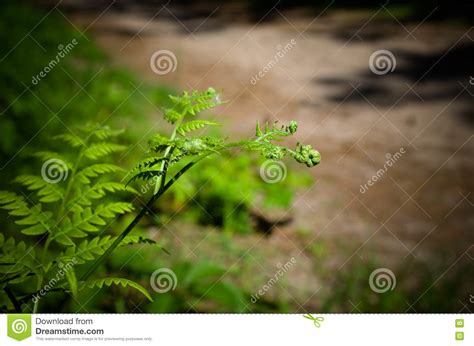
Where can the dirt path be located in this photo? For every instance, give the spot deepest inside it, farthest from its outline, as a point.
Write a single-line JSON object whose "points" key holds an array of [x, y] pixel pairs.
{"points": [[420, 114]]}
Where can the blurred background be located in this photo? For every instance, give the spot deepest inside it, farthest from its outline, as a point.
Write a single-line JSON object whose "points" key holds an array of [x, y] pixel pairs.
{"points": [[384, 90]]}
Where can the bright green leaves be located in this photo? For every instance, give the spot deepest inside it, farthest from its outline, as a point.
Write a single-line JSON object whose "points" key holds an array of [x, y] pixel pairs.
{"points": [[116, 281], [146, 169], [263, 143], [307, 155], [89, 220], [72, 140], [274, 132], [194, 125], [173, 149], [98, 150], [47, 192], [190, 104], [103, 133], [88, 250], [38, 221], [87, 194], [93, 171]]}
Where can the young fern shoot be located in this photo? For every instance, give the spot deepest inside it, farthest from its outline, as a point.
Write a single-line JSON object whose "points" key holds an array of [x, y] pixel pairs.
{"points": [[165, 152], [65, 214]]}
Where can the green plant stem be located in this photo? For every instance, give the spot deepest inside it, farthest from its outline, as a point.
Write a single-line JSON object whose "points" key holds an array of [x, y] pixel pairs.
{"points": [[161, 179]]}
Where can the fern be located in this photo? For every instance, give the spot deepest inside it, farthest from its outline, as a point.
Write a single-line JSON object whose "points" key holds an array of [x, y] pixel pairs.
{"points": [[96, 170], [98, 150], [69, 212], [17, 261], [88, 250], [47, 193], [194, 125], [68, 206], [116, 281]]}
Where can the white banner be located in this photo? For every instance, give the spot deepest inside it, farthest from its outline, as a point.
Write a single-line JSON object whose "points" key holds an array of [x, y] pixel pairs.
{"points": [[238, 329]]}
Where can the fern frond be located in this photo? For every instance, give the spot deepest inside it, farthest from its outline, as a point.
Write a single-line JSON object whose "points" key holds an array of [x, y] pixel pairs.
{"points": [[190, 104], [115, 281], [70, 139], [106, 133], [47, 192], [39, 222], [200, 101], [159, 143], [48, 155], [194, 125], [145, 174], [16, 257], [88, 250], [88, 219], [98, 150], [94, 171]]}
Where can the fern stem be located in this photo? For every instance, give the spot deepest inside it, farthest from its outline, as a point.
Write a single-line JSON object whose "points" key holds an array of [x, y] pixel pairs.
{"points": [[161, 179]]}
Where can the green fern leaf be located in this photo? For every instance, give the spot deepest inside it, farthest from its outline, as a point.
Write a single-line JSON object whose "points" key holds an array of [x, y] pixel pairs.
{"points": [[38, 220], [94, 171], [16, 258], [106, 133], [115, 281], [88, 250], [70, 139], [194, 125], [98, 150], [47, 192]]}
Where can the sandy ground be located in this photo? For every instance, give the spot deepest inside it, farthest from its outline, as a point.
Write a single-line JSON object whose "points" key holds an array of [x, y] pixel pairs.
{"points": [[421, 207]]}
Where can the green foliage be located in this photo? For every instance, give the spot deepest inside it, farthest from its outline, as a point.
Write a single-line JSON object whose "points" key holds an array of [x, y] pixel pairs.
{"points": [[83, 86], [68, 218], [173, 150], [70, 201], [116, 281]]}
